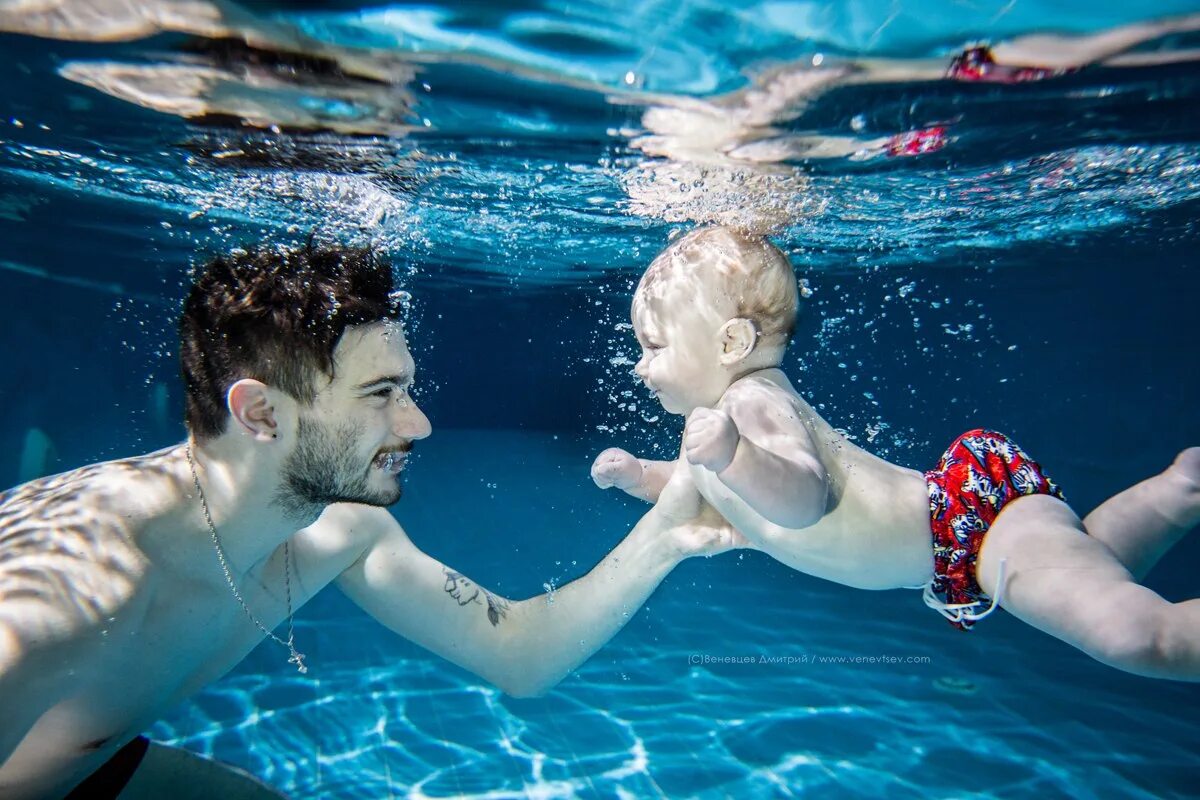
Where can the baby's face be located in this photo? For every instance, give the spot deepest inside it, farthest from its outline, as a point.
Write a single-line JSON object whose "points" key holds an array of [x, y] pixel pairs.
{"points": [[681, 349]]}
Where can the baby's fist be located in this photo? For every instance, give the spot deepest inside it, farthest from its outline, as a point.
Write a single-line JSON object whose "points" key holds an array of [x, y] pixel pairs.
{"points": [[710, 439], [616, 467]]}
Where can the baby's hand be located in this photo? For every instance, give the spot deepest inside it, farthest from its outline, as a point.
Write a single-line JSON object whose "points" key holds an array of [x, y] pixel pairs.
{"points": [[710, 439], [616, 467]]}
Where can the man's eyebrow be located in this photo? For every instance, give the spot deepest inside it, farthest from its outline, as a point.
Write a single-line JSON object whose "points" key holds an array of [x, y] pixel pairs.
{"points": [[400, 380]]}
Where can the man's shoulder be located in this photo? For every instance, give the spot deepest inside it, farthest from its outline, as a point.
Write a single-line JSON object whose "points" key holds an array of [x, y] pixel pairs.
{"points": [[129, 488], [82, 529], [355, 524], [347, 533]]}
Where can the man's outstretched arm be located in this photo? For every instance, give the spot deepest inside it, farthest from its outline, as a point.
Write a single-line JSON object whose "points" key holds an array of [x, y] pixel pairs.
{"points": [[524, 647]]}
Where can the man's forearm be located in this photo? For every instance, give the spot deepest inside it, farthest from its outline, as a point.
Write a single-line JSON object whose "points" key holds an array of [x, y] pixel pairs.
{"points": [[787, 493], [554, 633]]}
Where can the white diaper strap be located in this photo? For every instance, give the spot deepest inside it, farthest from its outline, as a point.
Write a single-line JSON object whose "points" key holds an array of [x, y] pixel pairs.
{"points": [[959, 612]]}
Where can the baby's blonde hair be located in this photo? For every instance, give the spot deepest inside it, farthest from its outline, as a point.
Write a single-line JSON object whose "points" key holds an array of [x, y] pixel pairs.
{"points": [[754, 274]]}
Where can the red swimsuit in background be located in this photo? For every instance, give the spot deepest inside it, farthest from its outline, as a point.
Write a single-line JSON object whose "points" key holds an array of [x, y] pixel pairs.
{"points": [[978, 65]]}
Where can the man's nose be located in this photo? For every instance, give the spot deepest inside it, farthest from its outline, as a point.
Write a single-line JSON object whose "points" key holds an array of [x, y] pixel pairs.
{"points": [[639, 368], [411, 423]]}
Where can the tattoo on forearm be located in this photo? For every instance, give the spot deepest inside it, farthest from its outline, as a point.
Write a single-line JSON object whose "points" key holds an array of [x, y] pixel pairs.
{"points": [[459, 587], [497, 608], [464, 592]]}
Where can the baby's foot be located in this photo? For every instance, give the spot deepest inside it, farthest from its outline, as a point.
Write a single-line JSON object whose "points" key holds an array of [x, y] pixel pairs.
{"points": [[1184, 473], [1187, 467]]}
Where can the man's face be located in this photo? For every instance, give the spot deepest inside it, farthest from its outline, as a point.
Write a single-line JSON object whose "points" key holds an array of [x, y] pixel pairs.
{"points": [[678, 331], [352, 443]]}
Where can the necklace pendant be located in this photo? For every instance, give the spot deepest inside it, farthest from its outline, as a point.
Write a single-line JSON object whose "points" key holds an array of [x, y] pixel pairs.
{"points": [[297, 658]]}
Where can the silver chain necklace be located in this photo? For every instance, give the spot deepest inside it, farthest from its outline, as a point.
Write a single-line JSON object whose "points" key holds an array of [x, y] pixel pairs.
{"points": [[294, 656]]}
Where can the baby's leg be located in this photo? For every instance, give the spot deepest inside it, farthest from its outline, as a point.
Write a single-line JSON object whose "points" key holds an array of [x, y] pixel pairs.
{"points": [[1143, 522], [1071, 586], [1153, 58]]}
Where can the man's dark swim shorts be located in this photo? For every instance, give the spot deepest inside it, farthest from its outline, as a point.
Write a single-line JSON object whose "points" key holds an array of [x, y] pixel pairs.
{"points": [[108, 781]]}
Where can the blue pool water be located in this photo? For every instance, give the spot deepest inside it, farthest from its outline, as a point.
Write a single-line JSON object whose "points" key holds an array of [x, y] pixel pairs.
{"points": [[1035, 272], [1000, 713]]}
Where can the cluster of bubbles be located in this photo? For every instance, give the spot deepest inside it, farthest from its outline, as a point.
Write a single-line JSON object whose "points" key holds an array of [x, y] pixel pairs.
{"points": [[753, 200]]}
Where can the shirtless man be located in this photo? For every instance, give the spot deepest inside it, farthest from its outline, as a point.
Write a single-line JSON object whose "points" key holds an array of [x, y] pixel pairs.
{"points": [[128, 585], [985, 529]]}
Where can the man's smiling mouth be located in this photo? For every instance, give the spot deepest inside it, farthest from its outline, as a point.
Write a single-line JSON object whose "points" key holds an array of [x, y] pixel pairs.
{"points": [[391, 462]]}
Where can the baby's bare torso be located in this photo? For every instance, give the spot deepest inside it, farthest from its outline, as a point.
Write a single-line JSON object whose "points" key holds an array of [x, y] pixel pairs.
{"points": [[111, 564], [875, 530]]}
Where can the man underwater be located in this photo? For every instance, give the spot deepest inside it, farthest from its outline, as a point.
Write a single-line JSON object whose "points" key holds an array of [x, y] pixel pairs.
{"points": [[127, 586]]}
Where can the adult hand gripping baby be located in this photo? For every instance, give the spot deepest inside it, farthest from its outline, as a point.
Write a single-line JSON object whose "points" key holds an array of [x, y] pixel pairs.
{"points": [[693, 526]]}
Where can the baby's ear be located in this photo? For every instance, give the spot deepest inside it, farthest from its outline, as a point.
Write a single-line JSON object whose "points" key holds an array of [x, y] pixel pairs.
{"points": [[738, 339]]}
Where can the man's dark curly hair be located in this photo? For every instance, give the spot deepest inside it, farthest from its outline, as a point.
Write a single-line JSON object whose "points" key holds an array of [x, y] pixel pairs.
{"points": [[274, 315]]}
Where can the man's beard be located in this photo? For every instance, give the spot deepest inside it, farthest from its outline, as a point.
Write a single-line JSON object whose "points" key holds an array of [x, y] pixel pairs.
{"points": [[325, 469]]}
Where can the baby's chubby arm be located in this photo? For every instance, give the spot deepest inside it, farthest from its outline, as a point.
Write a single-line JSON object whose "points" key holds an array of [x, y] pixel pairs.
{"points": [[639, 477], [761, 450]]}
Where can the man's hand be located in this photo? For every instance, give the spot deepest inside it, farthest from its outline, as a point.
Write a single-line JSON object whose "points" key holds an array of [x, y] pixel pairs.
{"points": [[691, 524], [704, 538], [616, 467], [710, 439]]}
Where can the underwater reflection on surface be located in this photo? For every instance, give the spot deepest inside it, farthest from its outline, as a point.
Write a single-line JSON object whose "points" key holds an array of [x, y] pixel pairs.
{"points": [[906, 156]]}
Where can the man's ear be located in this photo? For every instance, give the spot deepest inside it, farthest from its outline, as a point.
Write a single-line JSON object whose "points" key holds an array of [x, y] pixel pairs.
{"points": [[249, 403], [738, 337]]}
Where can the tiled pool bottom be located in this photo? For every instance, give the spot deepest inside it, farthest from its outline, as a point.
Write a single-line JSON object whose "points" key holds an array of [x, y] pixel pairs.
{"points": [[727, 685]]}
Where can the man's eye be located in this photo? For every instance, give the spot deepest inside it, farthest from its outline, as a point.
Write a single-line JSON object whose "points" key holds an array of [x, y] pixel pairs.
{"points": [[392, 393]]}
